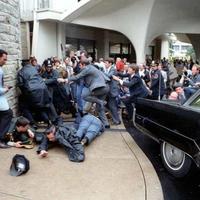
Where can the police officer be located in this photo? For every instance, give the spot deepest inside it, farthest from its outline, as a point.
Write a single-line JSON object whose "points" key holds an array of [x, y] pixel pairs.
{"points": [[157, 82]]}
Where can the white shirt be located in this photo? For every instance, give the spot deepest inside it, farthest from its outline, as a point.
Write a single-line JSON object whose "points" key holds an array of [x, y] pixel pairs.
{"points": [[107, 70], [141, 73]]}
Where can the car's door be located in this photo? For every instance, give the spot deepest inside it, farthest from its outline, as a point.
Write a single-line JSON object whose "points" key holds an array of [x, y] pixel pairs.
{"points": [[176, 124]]}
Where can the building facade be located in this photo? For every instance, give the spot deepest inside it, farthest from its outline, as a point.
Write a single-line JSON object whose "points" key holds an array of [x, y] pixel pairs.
{"points": [[45, 35], [140, 22]]}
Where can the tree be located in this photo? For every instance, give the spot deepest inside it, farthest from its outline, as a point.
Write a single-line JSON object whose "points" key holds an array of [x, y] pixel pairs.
{"points": [[191, 53]]}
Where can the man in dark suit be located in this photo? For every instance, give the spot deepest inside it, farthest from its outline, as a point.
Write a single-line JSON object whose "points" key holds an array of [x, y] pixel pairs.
{"points": [[136, 88], [113, 92]]}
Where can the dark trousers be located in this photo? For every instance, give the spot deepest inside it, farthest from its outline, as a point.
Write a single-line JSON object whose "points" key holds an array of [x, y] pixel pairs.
{"points": [[5, 120], [129, 102], [113, 107], [95, 96]]}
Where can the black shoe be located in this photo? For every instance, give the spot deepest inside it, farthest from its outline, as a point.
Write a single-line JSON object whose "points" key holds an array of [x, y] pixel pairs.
{"points": [[116, 123], [107, 126], [4, 146]]}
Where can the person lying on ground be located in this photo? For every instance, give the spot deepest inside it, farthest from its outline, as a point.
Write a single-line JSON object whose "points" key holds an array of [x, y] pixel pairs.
{"points": [[20, 133], [65, 137], [89, 128]]}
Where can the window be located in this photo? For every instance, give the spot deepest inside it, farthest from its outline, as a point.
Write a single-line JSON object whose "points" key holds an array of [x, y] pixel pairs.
{"points": [[122, 50], [196, 102], [76, 44], [115, 48], [43, 4], [87, 45], [176, 47], [125, 49], [184, 48], [72, 43]]}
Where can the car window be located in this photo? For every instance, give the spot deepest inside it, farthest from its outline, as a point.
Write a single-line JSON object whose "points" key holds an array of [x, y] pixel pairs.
{"points": [[196, 102]]}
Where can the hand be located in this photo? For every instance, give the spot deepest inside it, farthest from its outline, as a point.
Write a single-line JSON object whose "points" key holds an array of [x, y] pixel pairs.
{"points": [[197, 84], [66, 81], [150, 92], [30, 133], [18, 144], [43, 153], [115, 78], [61, 80]]}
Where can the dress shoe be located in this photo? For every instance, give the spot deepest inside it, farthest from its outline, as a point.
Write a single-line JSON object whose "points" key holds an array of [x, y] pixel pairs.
{"points": [[4, 146], [107, 126], [116, 123]]}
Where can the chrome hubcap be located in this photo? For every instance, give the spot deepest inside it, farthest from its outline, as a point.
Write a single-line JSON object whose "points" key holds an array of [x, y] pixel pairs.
{"points": [[174, 157]]}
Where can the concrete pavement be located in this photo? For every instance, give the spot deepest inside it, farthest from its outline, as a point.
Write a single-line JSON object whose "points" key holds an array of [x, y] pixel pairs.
{"points": [[114, 169]]}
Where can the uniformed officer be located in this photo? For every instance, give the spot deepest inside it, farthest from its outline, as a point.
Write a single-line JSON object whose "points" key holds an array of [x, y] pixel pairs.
{"points": [[157, 82]]}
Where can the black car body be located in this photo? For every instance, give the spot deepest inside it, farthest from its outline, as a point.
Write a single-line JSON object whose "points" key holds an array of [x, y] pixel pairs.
{"points": [[176, 127]]}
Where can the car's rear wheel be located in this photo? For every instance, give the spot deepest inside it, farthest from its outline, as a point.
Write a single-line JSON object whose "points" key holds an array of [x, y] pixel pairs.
{"points": [[175, 160]]}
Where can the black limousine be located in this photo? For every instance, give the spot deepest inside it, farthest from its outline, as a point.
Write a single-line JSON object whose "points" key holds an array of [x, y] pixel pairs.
{"points": [[176, 127]]}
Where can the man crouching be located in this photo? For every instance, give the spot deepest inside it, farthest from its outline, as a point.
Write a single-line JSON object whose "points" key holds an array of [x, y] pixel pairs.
{"points": [[65, 137]]}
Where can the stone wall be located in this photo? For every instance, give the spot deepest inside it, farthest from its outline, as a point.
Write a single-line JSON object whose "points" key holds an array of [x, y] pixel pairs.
{"points": [[10, 41]]}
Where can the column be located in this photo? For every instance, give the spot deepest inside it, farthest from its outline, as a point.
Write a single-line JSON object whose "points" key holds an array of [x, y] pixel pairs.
{"points": [[61, 40], [164, 49]]}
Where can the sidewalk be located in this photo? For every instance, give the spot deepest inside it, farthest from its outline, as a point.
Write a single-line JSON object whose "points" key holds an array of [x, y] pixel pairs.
{"points": [[114, 169]]}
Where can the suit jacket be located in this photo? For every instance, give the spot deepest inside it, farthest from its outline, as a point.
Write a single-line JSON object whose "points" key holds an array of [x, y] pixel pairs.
{"points": [[136, 86], [66, 137], [113, 85], [93, 78]]}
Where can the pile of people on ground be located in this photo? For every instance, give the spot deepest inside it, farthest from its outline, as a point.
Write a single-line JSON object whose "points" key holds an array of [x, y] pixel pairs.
{"points": [[88, 91]]}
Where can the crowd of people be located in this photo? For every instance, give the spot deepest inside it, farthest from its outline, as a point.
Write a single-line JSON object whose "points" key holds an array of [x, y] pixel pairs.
{"points": [[88, 90]]}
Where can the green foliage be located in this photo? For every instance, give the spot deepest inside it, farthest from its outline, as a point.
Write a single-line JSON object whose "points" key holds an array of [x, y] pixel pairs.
{"points": [[190, 52]]}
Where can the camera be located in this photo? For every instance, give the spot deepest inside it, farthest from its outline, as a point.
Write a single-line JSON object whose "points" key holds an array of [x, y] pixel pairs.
{"points": [[73, 59], [185, 73]]}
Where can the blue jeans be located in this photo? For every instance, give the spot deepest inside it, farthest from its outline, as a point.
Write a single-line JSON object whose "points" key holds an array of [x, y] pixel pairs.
{"points": [[89, 127]]}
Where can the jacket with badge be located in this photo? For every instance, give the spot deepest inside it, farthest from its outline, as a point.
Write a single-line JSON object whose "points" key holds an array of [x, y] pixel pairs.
{"points": [[157, 83], [67, 138]]}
